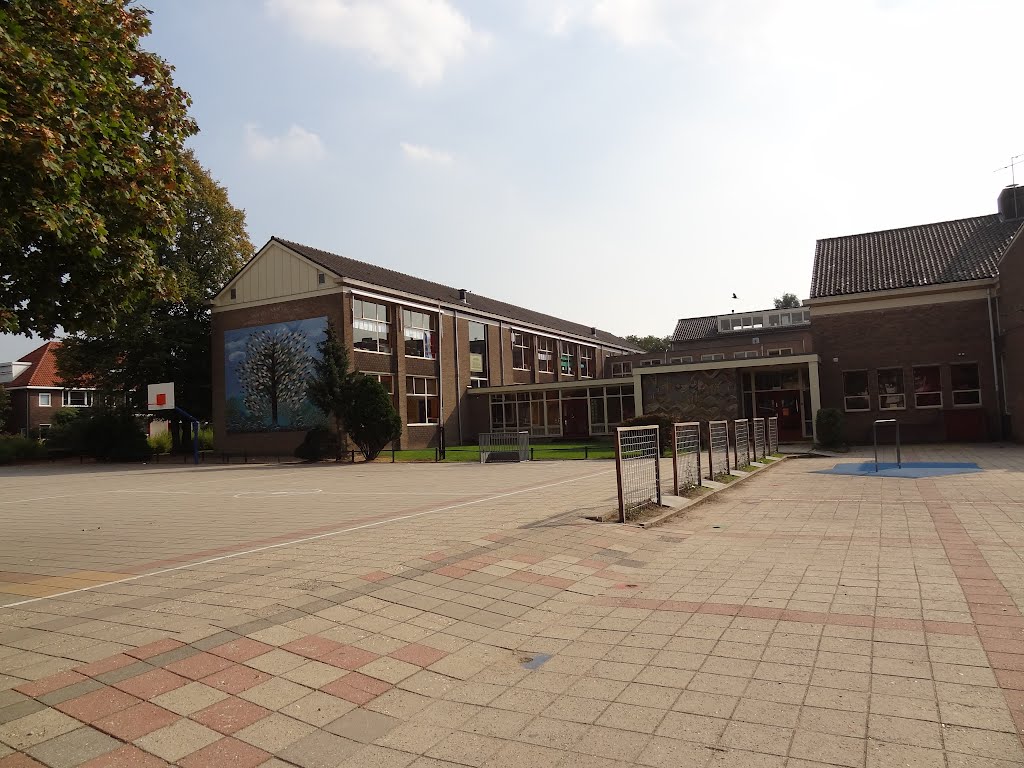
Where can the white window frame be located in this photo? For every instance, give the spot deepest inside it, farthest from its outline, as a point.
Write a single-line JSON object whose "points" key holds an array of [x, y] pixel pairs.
{"points": [[652, 361], [956, 392], [585, 361], [681, 360], [746, 354], [546, 354], [379, 379], [425, 396], [567, 349], [49, 400], [622, 369], [374, 324], [413, 330], [866, 395], [66, 398], [713, 357], [521, 341], [779, 352], [477, 378], [917, 394], [883, 396]]}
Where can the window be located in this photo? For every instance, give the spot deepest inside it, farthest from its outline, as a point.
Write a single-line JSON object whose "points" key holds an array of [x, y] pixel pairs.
{"points": [[371, 326], [891, 394], [927, 386], [545, 355], [234, 293], [477, 355], [567, 358], [779, 352], [586, 362], [421, 400], [622, 369], [855, 391], [522, 355], [680, 360], [44, 399], [386, 380], [77, 398], [966, 384], [649, 363], [712, 358], [420, 330], [746, 354], [321, 278], [44, 429]]}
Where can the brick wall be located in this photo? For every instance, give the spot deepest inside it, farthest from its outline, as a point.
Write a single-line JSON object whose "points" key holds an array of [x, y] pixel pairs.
{"points": [[1011, 324], [933, 334], [26, 413]]}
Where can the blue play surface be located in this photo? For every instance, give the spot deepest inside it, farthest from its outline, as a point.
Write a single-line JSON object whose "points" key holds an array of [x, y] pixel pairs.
{"points": [[911, 469]]}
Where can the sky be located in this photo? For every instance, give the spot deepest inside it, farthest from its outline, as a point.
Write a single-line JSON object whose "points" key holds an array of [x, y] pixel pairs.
{"points": [[618, 163]]}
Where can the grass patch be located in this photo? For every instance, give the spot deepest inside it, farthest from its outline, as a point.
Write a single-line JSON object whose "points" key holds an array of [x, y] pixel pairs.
{"points": [[539, 452], [726, 478]]}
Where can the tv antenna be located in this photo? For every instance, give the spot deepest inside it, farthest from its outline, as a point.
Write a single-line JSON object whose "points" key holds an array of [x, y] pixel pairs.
{"points": [[1011, 166]]}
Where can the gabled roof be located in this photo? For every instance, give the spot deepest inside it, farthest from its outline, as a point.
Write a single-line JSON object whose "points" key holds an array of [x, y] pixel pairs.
{"points": [[928, 254], [42, 370], [696, 328], [398, 281]]}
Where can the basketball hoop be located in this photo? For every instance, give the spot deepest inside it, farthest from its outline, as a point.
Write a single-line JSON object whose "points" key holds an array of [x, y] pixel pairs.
{"points": [[161, 397]]}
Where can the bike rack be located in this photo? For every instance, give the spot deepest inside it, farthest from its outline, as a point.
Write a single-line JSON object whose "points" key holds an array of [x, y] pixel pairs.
{"points": [[874, 432]]}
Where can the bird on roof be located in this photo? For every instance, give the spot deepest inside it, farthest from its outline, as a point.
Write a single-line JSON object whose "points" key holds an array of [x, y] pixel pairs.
{"points": [[735, 296]]}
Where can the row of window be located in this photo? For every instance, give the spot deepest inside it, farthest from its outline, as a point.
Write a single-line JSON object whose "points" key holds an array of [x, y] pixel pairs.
{"points": [[371, 324], [540, 413], [626, 369], [926, 382], [70, 398]]}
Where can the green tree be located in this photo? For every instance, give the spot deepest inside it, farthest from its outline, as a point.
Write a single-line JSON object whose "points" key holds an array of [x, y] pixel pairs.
{"points": [[371, 419], [5, 408], [651, 343], [168, 339], [330, 387], [787, 301], [91, 184]]}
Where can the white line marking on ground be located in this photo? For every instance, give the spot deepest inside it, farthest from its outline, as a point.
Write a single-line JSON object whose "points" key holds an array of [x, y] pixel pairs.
{"points": [[308, 538]]}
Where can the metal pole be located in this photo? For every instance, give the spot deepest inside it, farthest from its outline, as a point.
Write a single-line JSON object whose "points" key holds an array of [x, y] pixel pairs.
{"points": [[874, 436], [618, 474], [675, 460], [657, 462], [899, 457]]}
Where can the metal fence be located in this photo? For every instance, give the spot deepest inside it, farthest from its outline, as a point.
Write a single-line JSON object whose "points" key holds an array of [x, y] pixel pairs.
{"points": [[685, 456], [504, 446], [759, 439], [741, 446], [718, 448], [773, 434], [637, 469]]}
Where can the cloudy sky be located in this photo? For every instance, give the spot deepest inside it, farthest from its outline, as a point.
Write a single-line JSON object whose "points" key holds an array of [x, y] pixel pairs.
{"points": [[621, 163]]}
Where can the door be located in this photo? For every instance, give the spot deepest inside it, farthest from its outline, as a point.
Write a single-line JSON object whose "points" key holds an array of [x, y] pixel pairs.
{"points": [[574, 418], [784, 404]]}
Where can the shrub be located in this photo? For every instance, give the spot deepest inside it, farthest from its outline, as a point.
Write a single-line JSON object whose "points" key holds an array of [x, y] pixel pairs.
{"points": [[829, 424], [206, 439], [661, 420], [370, 418], [15, 447], [318, 444], [160, 442]]}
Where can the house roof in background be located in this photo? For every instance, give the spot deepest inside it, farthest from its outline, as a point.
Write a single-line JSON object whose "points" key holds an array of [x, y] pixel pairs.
{"points": [[42, 370], [696, 328], [398, 281], [927, 254]]}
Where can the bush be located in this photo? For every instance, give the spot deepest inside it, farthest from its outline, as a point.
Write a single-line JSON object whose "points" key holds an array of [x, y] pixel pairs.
{"points": [[206, 439], [370, 418], [661, 420], [318, 444], [160, 442], [16, 447], [829, 424]]}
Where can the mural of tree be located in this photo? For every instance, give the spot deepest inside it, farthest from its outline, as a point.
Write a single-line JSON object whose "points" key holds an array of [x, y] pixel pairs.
{"points": [[274, 372]]}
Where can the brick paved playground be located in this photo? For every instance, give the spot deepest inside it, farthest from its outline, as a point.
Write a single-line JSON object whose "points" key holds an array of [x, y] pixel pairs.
{"points": [[466, 615]]}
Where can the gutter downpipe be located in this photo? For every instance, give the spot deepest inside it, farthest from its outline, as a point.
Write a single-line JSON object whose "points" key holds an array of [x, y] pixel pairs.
{"points": [[458, 376], [1000, 406]]}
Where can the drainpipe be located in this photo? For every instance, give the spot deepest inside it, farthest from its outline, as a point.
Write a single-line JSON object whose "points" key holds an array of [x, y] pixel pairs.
{"points": [[1000, 406], [459, 394]]}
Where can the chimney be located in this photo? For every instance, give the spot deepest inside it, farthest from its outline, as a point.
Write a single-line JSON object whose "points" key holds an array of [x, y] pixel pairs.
{"points": [[593, 330], [1011, 202], [463, 293]]}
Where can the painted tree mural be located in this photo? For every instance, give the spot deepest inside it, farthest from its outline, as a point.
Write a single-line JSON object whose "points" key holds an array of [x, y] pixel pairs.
{"points": [[267, 370]]}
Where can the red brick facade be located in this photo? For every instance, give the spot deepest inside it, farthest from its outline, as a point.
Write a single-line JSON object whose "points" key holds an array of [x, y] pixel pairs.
{"points": [[1011, 327]]}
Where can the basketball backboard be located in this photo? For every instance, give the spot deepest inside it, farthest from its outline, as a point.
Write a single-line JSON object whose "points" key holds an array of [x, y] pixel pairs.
{"points": [[161, 396]]}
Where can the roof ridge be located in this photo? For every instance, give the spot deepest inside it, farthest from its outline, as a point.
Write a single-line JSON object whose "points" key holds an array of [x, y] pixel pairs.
{"points": [[909, 227]]}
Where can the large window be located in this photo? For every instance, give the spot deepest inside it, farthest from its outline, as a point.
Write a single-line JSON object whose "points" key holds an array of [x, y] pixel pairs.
{"points": [[477, 355], [77, 398], [610, 406], [966, 384], [855, 391], [421, 400], [386, 380], [545, 355], [522, 355], [371, 326], [567, 358], [891, 394], [624, 368], [927, 386], [420, 330], [586, 362], [44, 399]]}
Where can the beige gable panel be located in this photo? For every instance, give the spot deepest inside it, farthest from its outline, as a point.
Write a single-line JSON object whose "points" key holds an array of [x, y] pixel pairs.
{"points": [[276, 273]]}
